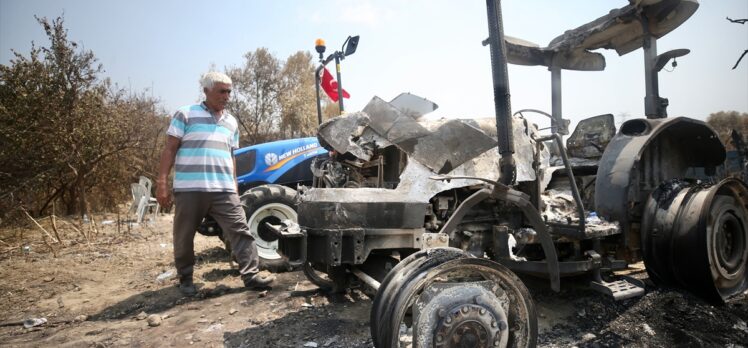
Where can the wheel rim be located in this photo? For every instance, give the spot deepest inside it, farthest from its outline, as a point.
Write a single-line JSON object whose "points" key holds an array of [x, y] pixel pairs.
{"points": [[728, 252], [396, 279], [475, 317], [511, 321], [699, 240], [272, 213]]}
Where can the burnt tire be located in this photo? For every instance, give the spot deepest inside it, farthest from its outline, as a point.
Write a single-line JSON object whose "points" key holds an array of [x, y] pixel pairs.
{"points": [[450, 299], [269, 204], [695, 237]]}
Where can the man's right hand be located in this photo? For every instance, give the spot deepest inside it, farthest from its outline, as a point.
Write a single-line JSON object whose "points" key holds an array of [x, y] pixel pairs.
{"points": [[162, 194], [168, 155]]}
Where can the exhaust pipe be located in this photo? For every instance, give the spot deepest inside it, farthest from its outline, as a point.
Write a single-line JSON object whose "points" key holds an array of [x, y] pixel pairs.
{"points": [[501, 97]]}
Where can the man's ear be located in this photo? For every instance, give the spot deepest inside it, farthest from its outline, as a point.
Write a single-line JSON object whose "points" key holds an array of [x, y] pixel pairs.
{"points": [[205, 90]]}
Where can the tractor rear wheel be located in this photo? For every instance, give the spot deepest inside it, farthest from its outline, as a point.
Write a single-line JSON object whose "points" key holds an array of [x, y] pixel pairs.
{"points": [[696, 237]]}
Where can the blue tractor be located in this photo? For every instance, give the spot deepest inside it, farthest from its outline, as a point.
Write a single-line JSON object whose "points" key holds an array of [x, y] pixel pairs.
{"points": [[268, 175]]}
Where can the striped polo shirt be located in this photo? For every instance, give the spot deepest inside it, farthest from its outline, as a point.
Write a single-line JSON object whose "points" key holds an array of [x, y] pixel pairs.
{"points": [[204, 159]]}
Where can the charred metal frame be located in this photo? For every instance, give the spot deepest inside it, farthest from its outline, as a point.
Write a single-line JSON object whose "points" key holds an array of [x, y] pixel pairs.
{"points": [[501, 97], [633, 166], [521, 201]]}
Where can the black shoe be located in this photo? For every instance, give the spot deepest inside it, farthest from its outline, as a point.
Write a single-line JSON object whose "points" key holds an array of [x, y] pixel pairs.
{"points": [[259, 281], [187, 287]]}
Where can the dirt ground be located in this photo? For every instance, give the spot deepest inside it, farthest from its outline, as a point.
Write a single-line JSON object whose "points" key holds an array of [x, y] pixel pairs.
{"points": [[116, 291]]}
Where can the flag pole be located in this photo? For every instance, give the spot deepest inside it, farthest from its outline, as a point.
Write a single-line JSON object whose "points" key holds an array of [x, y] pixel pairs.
{"points": [[319, 103], [340, 82]]}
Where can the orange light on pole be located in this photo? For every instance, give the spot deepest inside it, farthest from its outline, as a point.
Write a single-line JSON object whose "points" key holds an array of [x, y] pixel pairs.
{"points": [[319, 46]]}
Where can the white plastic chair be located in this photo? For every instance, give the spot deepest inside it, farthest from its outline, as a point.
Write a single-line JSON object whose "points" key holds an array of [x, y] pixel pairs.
{"points": [[142, 201]]}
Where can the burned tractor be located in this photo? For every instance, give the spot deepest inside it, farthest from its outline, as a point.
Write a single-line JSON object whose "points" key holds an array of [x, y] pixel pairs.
{"points": [[437, 216]]}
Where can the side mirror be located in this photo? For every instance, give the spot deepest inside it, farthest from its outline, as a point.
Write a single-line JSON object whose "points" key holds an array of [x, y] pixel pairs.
{"points": [[351, 45], [662, 59]]}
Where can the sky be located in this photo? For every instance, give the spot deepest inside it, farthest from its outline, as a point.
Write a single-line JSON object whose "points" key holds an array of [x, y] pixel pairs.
{"points": [[431, 48]]}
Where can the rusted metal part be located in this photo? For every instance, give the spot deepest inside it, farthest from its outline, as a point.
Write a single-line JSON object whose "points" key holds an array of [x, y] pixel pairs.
{"points": [[591, 137], [572, 181], [413, 105], [505, 288], [340, 134], [463, 147], [368, 280], [521, 201], [359, 208], [353, 246], [620, 30], [410, 267], [460, 315], [696, 237], [435, 240], [464, 208], [501, 97], [536, 221], [644, 154], [441, 149], [522, 52]]}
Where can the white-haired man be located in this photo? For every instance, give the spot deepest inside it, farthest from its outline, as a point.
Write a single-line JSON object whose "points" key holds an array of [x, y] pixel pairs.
{"points": [[200, 143]]}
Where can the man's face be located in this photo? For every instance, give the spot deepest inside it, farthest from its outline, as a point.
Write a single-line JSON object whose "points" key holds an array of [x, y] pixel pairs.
{"points": [[217, 97]]}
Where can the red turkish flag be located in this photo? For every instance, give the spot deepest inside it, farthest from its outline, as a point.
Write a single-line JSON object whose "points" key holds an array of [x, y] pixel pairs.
{"points": [[331, 86]]}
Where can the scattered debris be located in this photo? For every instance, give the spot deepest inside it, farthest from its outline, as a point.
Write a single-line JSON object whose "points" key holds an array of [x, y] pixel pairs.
{"points": [[588, 337], [648, 329], [164, 276], [330, 341], [154, 320], [310, 344], [33, 322], [141, 316], [81, 318], [741, 325], [232, 311], [214, 327]]}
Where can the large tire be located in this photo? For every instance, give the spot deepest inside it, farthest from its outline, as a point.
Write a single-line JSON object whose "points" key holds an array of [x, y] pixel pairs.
{"points": [[448, 298], [272, 204], [695, 237]]}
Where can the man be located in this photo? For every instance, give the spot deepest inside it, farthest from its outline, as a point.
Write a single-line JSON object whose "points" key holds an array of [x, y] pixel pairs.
{"points": [[200, 143]]}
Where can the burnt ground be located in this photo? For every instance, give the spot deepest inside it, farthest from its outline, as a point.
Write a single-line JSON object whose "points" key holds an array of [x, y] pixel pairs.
{"points": [[101, 294]]}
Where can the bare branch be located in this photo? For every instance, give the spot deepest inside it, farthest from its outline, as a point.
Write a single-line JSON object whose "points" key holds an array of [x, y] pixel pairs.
{"points": [[37, 224], [739, 21], [739, 59]]}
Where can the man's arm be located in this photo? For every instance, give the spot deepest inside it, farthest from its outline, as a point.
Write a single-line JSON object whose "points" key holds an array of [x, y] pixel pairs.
{"points": [[167, 161]]}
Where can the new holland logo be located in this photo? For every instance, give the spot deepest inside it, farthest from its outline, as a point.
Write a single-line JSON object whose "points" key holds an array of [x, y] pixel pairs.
{"points": [[271, 158]]}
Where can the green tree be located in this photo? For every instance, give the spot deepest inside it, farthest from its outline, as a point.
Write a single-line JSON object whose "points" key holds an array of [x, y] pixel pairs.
{"points": [[65, 131], [255, 101], [725, 121], [297, 97]]}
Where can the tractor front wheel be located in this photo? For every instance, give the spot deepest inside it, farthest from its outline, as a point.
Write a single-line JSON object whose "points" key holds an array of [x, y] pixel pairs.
{"points": [[269, 204]]}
